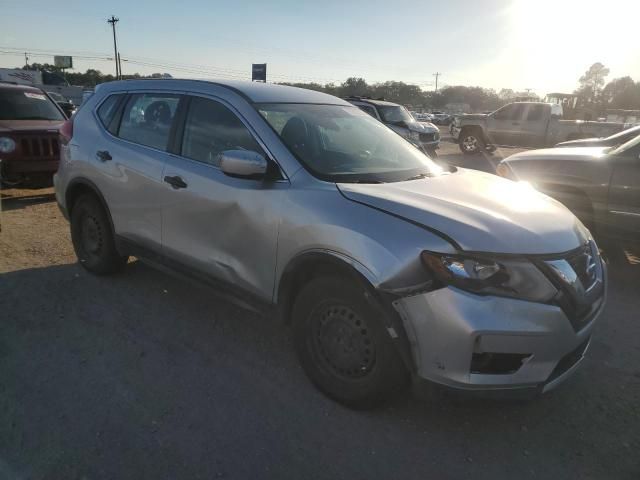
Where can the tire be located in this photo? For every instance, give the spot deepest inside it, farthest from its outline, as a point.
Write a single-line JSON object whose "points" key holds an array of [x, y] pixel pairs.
{"points": [[471, 142], [342, 344], [93, 239]]}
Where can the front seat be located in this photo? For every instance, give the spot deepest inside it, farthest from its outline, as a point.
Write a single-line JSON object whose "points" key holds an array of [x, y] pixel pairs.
{"points": [[296, 136]]}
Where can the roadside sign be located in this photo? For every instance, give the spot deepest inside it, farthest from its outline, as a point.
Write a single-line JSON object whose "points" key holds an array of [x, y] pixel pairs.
{"points": [[62, 61], [259, 72]]}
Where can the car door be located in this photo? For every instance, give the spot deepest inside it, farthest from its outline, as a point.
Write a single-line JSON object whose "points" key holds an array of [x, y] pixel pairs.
{"points": [[222, 227], [624, 192], [533, 126], [503, 126], [130, 153]]}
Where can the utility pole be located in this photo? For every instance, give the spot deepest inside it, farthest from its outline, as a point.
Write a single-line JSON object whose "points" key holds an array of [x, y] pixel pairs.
{"points": [[113, 20], [437, 74], [120, 65], [26, 59]]}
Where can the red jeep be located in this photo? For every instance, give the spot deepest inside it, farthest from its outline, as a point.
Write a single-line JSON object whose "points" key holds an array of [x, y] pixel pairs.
{"points": [[29, 124]]}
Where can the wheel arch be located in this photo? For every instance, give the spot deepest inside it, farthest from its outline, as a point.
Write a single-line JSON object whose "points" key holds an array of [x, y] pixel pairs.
{"points": [[310, 264], [79, 186]]}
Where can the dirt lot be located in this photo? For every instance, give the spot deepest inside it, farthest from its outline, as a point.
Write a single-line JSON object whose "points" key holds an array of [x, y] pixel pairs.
{"points": [[142, 375]]}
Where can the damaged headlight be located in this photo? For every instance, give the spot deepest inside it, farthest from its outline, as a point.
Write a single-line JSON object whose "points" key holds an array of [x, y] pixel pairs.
{"points": [[516, 278]]}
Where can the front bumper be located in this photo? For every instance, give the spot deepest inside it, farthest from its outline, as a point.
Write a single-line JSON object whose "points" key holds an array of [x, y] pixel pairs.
{"points": [[455, 132], [29, 166], [446, 327]]}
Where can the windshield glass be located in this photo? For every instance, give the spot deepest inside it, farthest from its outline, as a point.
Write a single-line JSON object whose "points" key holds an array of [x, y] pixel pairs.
{"points": [[27, 105], [343, 144], [626, 146], [394, 114]]}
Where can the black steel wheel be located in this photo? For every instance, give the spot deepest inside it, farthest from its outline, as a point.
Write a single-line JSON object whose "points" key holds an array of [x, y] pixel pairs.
{"points": [[93, 239], [343, 345]]}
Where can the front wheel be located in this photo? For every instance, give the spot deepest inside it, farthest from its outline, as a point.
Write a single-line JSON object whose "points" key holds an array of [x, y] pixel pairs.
{"points": [[342, 343], [471, 142]]}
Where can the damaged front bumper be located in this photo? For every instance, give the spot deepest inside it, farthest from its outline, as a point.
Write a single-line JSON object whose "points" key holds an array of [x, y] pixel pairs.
{"points": [[486, 343]]}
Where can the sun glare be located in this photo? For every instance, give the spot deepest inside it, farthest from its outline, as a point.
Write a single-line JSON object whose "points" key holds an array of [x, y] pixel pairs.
{"points": [[552, 38]]}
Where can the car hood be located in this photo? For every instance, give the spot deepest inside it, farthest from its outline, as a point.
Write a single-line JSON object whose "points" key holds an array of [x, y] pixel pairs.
{"points": [[582, 142], [29, 125], [479, 211], [588, 154], [422, 127], [473, 116]]}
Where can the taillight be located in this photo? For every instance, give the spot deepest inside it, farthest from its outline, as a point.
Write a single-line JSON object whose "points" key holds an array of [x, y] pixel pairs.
{"points": [[66, 132]]}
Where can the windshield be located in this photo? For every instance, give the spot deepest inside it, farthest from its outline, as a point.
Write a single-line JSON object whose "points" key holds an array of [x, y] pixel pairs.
{"points": [[626, 146], [344, 144], [394, 114], [27, 105]]}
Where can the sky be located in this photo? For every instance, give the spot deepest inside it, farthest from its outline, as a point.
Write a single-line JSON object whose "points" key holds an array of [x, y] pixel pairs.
{"points": [[542, 45]]}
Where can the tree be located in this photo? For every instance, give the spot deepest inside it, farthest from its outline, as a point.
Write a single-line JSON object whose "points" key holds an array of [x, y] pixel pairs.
{"points": [[621, 93], [354, 86], [592, 81]]}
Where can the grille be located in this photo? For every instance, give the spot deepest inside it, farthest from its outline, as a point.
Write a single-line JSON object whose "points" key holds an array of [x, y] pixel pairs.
{"points": [[584, 264], [427, 137], [40, 146]]}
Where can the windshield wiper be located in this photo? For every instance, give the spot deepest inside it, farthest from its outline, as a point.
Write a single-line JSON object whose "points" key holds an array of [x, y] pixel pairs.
{"points": [[419, 176]]}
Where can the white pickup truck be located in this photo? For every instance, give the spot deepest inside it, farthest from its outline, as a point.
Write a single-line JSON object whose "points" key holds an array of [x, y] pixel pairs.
{"points": [[47, 81], [524, 124]]}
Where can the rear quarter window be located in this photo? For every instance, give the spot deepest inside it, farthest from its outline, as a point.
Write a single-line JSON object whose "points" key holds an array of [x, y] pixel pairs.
{"points": [[107, 110]]}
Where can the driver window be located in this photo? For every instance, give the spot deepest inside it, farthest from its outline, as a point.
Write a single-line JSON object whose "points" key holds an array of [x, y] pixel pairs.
{"points": [[505, 112], [147, 119], [211, 128]]}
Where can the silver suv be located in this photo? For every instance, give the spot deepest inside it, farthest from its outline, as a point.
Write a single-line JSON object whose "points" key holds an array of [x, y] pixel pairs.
{"points": [[299, 204]]}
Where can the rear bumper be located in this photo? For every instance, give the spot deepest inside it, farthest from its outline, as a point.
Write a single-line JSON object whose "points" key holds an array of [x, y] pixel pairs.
{"points": [[448, 329]]}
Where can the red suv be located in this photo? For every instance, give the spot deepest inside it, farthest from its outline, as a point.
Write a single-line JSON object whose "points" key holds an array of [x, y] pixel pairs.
{"points": [[29, 125]]}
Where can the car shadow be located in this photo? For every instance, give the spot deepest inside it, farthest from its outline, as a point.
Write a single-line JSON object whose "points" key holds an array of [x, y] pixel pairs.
{"points": [[11, 202]]}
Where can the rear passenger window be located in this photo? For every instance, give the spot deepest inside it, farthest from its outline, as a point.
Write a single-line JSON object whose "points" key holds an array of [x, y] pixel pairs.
{"points": [[535, 112], [147, 119], [212, 128], [107, 110]]}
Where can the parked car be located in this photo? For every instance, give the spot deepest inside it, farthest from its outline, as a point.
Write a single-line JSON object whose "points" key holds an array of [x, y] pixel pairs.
{"points": [[601, 185], [610, 141], [65, 104], [298, 203], [29, 123], [441, 118], [524, 124], [398, 119]]}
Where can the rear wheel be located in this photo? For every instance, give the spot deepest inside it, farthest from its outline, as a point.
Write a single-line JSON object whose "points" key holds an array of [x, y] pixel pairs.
{"points": [[343, 345], [471, 142], [92, 237]]}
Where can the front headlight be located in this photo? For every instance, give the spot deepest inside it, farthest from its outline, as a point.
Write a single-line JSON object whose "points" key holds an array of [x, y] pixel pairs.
{"points": [[505, 277], [7, 145]]}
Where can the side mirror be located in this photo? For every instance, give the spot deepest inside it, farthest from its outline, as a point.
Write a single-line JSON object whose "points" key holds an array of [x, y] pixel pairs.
{"points": [[243, 163]]}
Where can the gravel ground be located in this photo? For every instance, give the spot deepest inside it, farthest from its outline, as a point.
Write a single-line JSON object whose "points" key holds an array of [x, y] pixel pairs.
{"points": [[142, 375]]}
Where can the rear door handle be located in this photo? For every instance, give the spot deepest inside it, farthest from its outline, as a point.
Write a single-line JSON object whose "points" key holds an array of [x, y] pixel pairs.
{"points": [[104, 155], [176, 182]]}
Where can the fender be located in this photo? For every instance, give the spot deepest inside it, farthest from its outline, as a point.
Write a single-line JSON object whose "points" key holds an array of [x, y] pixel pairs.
{"points": [[85, 183], [318, 259]]}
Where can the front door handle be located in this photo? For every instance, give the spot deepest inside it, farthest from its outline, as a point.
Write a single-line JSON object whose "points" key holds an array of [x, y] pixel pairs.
{"points": [[176, 182], [104, 155]]}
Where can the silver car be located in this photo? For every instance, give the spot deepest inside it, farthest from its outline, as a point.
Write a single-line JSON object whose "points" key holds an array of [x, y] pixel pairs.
{"points": [[300, 205]]}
